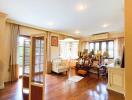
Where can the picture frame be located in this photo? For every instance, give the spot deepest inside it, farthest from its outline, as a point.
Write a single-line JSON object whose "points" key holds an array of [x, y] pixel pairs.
{"points": [[54, 41]]}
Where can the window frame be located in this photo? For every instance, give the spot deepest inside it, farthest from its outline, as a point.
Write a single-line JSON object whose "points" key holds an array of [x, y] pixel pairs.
{"points": [[100, 46], [65, 44]]}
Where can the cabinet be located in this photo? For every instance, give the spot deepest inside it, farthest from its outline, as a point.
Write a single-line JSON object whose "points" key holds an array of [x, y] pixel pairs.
{"points": [[116, 79]]}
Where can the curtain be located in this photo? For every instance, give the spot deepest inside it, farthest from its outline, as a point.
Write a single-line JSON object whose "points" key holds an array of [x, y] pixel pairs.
{"points": [[13, 67], [120, 47]]}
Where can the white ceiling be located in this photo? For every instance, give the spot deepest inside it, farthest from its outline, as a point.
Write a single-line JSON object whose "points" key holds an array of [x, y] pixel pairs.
{"points": [[65, 16]]}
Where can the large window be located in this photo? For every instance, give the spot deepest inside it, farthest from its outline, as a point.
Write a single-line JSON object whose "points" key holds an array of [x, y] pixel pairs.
{"points": [[21, 42], [68, 50], [111, 49], [103, 46], [91, 46], [96, 47]]}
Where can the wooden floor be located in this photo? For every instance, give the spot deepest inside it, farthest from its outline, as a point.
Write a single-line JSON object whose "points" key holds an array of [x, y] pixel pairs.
{"points": [[59, 88]]}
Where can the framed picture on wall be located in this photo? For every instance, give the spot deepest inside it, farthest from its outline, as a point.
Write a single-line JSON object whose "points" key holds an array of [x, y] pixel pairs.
{"points": [[54, 41]]}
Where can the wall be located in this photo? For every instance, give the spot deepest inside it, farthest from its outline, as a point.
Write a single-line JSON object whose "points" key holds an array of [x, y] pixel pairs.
{"points": [[128, 49], [55, 49], [29, 31], [4, 48], [52, 51]]}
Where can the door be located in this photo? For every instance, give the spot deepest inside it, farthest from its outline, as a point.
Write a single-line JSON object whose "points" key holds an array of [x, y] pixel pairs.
{"points": [[38, 65]]}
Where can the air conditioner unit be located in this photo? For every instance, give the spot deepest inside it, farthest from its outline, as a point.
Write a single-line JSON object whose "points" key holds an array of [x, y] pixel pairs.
{"points": [[100, 36], [1, 84]]}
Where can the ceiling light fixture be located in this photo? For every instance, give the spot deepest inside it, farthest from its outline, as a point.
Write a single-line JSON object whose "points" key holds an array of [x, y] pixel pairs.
{"points": [[81, 7], [77, 31], [105, 25], [50, 23]]}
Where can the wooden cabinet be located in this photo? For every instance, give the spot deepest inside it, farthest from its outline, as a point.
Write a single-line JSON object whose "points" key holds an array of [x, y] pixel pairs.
{"points": [[116, 79]]}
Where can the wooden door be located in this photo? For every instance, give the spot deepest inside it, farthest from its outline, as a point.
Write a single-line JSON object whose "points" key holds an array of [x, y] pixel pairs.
{"points": [[38, 65]]}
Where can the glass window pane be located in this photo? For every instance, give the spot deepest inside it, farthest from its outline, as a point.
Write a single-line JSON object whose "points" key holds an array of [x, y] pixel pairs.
{"points": [[68, 50], [26, 69], [96, 47], [42, 60], [27, 51], [74, 50], [91, 47], [37, 43], [111, 49], [20, 41], [41, 67], [42, 51], [37, 68], [37, 60], [42, 44], [103, 47], [27, 43], [37, 51], [20, 51]]}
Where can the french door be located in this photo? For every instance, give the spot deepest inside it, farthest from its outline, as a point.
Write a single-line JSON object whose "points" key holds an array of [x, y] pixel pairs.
{"points": [[37, 67]]}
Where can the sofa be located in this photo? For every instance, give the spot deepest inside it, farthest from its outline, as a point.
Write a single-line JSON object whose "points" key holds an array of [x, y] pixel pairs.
{"points": [[59, 65]]}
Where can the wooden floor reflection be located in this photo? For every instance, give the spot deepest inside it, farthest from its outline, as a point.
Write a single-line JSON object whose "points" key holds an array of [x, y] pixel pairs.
{"points": [[57, 87], [89, 88]]}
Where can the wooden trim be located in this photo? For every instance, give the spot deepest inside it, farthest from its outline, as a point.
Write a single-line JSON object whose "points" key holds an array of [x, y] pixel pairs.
{"points": [[31, 64], [32, 61], [26, 36], [39, 35]]}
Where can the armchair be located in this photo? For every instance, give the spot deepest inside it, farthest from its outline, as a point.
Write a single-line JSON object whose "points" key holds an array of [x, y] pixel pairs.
{"points": [[59, 65], [98, 69]]}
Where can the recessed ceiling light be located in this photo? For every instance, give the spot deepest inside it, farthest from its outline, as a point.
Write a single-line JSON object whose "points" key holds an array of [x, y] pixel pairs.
{"points": [[77, 31], [81, 7], [50, 23], [105, 25]]}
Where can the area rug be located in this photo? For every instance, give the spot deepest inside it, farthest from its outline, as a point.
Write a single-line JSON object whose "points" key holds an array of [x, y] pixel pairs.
{"points": [[75, 78]]}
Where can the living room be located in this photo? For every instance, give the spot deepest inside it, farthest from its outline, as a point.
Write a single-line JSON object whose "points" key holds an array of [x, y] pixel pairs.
{"points": [[75, 61]]}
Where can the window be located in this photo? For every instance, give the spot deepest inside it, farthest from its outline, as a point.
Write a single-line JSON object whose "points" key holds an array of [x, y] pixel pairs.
{"points": [[91, 46], [111, 49], [22, 47], [68, 50], [96, 47], [39, 55], [103, 46], [74, 49]]}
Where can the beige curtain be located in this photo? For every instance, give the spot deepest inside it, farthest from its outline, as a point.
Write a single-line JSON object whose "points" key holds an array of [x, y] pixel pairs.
{"points": [[13, 67], [120, 46]]}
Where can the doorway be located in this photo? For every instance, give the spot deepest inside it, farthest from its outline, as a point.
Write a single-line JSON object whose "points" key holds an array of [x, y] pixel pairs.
{"points": [[20, 52]]}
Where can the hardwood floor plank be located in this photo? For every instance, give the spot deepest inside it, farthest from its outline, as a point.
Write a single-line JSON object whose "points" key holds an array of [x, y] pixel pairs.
{"points": [[57, 87]]}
